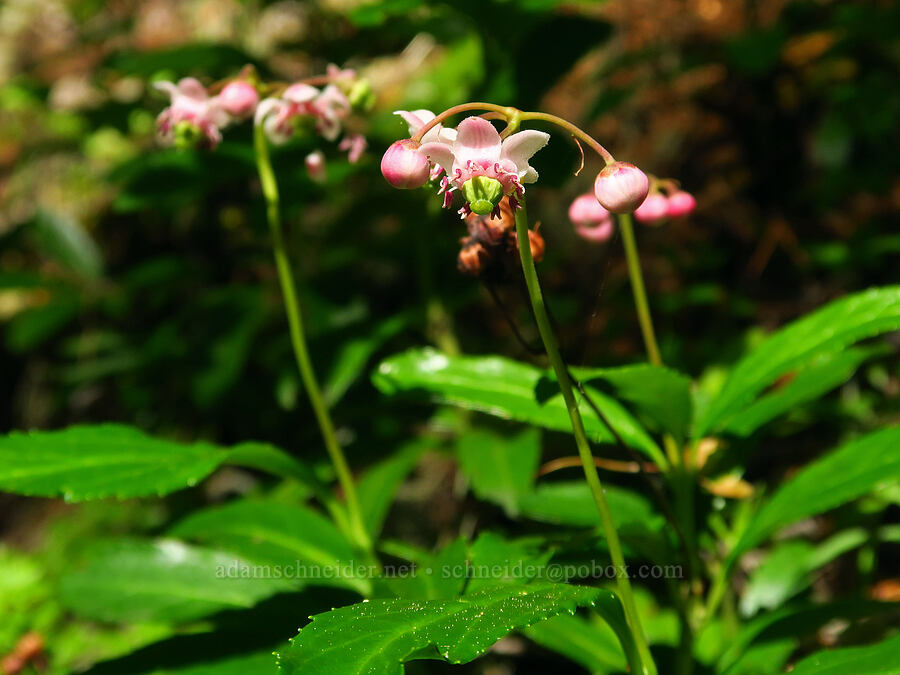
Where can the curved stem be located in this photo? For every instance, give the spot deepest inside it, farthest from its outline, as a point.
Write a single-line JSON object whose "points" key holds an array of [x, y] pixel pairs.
{"points": [[584, 450], [298, 340], [503, 112], [572, 129]]}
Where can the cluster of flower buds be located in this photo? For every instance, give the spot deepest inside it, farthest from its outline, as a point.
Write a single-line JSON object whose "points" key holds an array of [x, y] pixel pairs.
{"points": [[592, 221], [490, 251], [195, 118], [472, 159], [666, 200]]}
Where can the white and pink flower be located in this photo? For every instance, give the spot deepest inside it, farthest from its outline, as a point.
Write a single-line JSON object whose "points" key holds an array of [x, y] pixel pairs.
{"points": [[325, 108], [592, 222], [483, 166], [193, 116], [415, 120]]}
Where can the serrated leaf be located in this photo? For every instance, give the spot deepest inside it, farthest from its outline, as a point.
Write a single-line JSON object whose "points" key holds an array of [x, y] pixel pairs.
{"points": [[822, 375], [163, 580], [877, 659], [505, 388], [293, 540], [851, 471], [114, 460], [377, 637], [829, 329], [500, 469]]}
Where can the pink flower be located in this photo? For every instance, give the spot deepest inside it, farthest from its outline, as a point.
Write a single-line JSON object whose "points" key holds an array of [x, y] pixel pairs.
{"points": [[315, 166], [239, 99], [417, 119], [680, 203], [484, 167], [355, 145], [324, 108], [404, 166], [592, 222], [191, 115], [653, 210], [621, 187]]}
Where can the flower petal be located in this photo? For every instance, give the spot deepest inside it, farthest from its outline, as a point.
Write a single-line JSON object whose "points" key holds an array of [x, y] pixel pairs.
{"points": [[476, 140], [415, 119], [265, 108], [520, 147], [191, 87], [300, 93], [439, 153]]}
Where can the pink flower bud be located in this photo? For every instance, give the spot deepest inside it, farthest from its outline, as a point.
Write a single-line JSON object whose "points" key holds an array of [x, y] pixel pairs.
{"points": [[596, 234], [680, 203], [403, 166], [621, 187], [315, 166], [586, 211], [653, 209], [239, 99]]}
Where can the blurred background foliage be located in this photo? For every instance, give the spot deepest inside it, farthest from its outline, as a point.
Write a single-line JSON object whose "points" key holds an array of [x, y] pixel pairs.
{"points": [[136, 282]]}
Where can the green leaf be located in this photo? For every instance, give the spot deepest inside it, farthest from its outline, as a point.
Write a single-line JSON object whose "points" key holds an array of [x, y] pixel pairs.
{"points": [[658, 393], [114, 460], [377, 637], [296, 542], [571, 503], [508, 389], [878, 659], [378, 485], [589, 644], [824, 374], [500, 469], [65, 240], [164, 580], [829, 329], [851, 471]]}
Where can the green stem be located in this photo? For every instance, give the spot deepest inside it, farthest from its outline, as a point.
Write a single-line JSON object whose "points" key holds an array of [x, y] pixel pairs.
{"points": [[572, 129], [637, 288], [298, 339], [584, 450]]}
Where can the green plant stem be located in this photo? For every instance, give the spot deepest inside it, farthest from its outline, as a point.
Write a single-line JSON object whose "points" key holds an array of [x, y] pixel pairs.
{"points": [[584, 450], [298, 340], [638, 290]]}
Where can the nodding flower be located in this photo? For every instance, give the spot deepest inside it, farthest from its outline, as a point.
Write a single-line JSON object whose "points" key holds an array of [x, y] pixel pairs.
{"points": [[621, 187], [193, 118], [680, 203], [324, 110], [484, 167], [592, 222], [239, 99], [415, 120], [653, 210], [403, 166]]}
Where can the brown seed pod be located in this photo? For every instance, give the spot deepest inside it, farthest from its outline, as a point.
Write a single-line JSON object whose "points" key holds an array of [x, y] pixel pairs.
{"points": [[473, 258]]}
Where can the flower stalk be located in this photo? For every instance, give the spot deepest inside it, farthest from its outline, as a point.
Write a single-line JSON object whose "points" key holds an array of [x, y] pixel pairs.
{"points": [[647, 666], [298, 340]]}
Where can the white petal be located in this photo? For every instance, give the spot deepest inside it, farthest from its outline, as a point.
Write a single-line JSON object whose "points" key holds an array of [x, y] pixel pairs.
{"points": [[520, 147], [476, 140], [300, 93], [166, 87], [530, 175], [439, 153], [265, 108]]}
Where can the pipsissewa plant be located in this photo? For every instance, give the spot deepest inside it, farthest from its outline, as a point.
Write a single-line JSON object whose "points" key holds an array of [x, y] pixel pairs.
{"points": [[188, 576]]}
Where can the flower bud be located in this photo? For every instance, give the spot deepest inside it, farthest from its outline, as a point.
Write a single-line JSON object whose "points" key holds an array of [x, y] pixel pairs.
{"points": [[403, 166], [621, 187], [597, 234], [653, 210], [680, 203], [586, 211], [483, 194], [315, 166], [239, 99]]}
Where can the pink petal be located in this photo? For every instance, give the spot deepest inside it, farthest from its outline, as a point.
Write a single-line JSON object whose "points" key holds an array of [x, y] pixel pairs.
{"points": [[191, 87], [520, 147], [439, 153], [476, 141], [300, 93]]}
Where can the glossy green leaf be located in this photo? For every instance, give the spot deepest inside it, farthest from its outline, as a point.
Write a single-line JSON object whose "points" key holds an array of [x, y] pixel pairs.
{"points": [[571, 503], [163, 580], [659, 394], [113, 460], [878, 659], [377, 637], [500, 469], [829, 329], [822, 375], [505, 388], [853, 470], [592, 645], [296, 542]]}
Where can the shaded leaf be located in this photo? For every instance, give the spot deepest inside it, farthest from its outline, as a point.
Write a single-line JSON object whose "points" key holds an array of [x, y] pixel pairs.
{"points": [[500, 469], [880, 659], [379, 484]]}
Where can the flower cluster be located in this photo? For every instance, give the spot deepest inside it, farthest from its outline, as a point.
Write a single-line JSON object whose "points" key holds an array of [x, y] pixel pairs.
{"points": [[665, 201], [195, 118], [472, 159], [592, 221]]}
